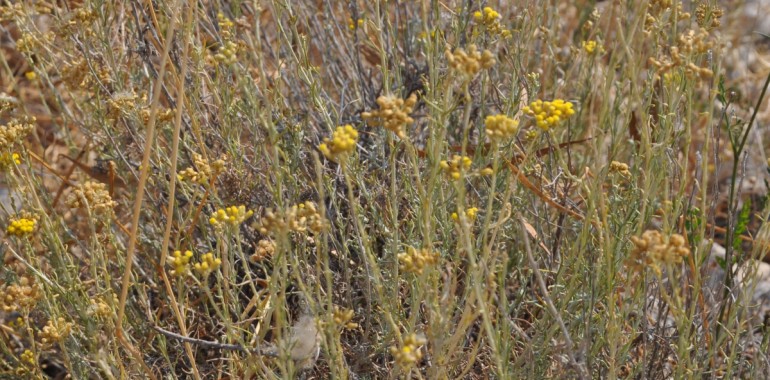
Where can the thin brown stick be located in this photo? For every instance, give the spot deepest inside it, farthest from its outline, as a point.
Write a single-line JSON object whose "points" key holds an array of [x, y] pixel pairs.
{"points": [[216, 345]]}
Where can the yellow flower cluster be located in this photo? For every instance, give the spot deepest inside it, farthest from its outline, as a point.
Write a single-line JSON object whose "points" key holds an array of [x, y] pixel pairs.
{"points": [[265, 249], [207, 264], [652, 249], [93, 195], [227, 54], [181, 263], [20, 296], [55, 331], [7, 160], [342, 143], [549, 114], [416, 260], [471, 213], [393, 114], [592, 47], [456, 166], [233, 216], [28, 358], [409, 353], [470, 63], [205, 171], [297, 218], [342, 318], [21, 227], [490, 20], [353, 25], [500, 127]]}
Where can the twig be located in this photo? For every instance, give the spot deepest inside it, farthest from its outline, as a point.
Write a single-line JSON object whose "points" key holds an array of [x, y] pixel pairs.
{"points": [[269, 352]]}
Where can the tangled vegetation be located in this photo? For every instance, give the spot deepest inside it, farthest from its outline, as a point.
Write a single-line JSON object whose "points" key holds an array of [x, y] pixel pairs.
{"points": [[380, 189]]}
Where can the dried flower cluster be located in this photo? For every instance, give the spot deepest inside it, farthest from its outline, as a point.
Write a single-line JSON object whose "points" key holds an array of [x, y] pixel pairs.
{"points": [[22, 295], [500, 127], [265, 249], [489, 19], [708, 15], [297, 218], [343, 317], [94, 196], [205, 170], [14, 132], [549, 114], [620, 168], [471, 62], [681, 56], [653, 249], [393, 114], [455, 167], [416, 260], [342, 143], [54, 331], [661, 12], [409, 353]]}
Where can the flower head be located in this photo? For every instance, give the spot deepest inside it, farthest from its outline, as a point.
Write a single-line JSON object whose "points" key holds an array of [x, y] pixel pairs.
{"points": [[409, 353], [471, 62], [207, 264], [549, 114], [500, 127], [181, 263], [489, 19], [393, 114], [21, 227], [233, 216], [456, 166], [416, 260], [342, 143]]}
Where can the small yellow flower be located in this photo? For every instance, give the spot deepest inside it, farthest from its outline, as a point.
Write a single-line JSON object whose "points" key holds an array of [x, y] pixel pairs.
{"points": [[207, 264], [500, 127], [409, 353], [548, 114], [487, 171], [353, 25], [456, 166], [233, 216], [592, 47], [21, 227], [489, 19], [343, 143], [7, 160], [181, 263], [470, 214]]}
